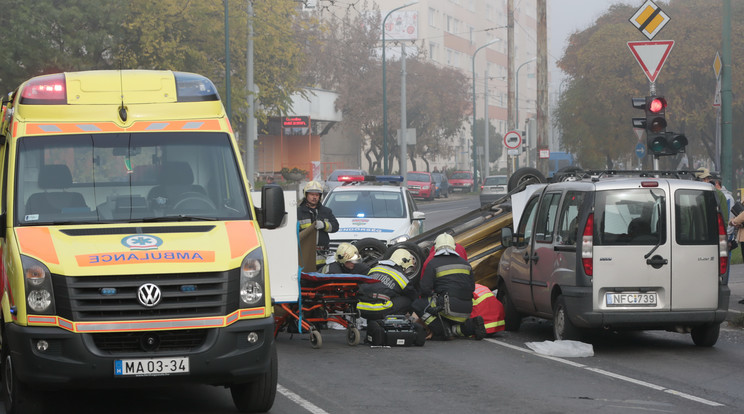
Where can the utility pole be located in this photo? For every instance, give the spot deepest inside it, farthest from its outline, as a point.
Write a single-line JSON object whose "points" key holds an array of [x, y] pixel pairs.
{"points": [[487, 163], [511, 102], [403, 120], [250, 125], [542, 85], [228, 98], [726, 100]]}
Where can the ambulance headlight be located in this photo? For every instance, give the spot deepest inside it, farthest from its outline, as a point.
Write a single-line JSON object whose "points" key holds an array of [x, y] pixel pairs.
{"points": [[252, 280], [38, 283]]}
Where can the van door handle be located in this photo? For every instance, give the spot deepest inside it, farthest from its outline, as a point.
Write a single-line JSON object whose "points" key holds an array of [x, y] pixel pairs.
{"points": [[527, 258], [657, 261]]}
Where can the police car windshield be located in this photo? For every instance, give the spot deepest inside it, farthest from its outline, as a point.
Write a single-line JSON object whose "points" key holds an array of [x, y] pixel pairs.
{"points": [[366, 204], [104, 178]]}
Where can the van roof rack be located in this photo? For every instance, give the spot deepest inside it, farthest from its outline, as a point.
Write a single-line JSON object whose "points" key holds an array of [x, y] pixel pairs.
{"points": [[598, 174]]}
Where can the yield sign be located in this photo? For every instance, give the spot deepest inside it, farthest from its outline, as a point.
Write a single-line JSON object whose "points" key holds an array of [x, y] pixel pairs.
{"points": [[651, 56]]}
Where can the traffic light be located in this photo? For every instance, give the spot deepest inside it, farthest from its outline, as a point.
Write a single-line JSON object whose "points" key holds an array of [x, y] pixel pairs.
{"points": [[659, 141]]}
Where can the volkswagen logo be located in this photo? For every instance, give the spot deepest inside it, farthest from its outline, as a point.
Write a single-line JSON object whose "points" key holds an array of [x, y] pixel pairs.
{"points": [[149, 295]]}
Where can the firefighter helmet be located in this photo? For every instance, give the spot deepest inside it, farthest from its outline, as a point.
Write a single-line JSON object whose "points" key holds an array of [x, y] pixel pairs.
{"points": [[347, 252], [313, 187], [444, 241], [402, 258]]}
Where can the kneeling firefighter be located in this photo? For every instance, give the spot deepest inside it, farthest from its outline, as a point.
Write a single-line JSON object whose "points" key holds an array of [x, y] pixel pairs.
{"points": [[447, 287], [347, 261], [394, 292]]}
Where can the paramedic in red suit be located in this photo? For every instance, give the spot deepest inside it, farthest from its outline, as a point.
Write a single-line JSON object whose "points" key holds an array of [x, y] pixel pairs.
{"points": [[446, 300]]}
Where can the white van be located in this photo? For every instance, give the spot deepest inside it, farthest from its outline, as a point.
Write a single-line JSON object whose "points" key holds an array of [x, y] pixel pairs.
{"points": [[618, 253]]}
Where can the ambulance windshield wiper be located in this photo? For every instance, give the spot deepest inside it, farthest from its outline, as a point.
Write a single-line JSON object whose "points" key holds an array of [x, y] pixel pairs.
{"points": [[177, 217]]}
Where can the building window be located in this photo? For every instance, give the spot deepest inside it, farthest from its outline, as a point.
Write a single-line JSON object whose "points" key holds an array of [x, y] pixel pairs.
{"points": [[433, 51], [432, 17]]}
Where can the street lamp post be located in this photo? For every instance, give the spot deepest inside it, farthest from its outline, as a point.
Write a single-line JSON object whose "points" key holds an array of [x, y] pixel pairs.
{"points": [[516, 92], [384, 91], [475, 155]]}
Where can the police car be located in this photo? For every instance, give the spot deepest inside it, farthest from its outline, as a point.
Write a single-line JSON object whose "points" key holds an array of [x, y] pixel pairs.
{"points": [[376, 207]]}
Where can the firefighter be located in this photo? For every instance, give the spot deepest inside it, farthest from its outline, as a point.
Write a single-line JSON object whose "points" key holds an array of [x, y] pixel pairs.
{"points": [[347, 261], [446, 300], [393, 294], [311, 212]]}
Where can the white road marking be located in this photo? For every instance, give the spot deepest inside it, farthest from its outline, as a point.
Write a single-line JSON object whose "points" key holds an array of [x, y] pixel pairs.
{"points": [[300, 401], [610, 374]]}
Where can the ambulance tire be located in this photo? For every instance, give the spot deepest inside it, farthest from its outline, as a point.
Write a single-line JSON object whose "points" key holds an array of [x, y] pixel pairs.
{"points": [[417, 254], [706, 335], [525, 176], [257, 396], [371, 250], [17, 396]]}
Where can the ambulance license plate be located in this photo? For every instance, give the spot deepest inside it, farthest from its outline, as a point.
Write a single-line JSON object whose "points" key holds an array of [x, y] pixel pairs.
{"points": [[150, 367], [630, 299]]}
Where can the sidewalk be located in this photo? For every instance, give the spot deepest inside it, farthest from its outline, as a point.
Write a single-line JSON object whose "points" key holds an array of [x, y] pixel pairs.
{"points": [[736, 284]]}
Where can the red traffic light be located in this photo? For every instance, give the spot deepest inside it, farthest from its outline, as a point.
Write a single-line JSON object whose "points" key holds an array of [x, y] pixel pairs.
{"points": [[656, 105]]}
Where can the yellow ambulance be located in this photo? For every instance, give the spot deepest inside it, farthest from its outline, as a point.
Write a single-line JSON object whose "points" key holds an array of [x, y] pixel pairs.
{"points": [[132, 253]]}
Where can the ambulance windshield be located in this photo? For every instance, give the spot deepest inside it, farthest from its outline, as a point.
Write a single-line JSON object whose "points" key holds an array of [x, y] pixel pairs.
{"points": [[137, 177]]}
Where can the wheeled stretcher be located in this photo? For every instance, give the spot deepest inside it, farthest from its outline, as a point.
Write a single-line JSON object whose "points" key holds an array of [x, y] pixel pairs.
{"points": [[324, 298]]}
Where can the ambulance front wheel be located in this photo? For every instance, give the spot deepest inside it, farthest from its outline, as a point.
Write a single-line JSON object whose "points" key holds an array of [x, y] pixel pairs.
{"points": [[257, 396], [17, 396]]}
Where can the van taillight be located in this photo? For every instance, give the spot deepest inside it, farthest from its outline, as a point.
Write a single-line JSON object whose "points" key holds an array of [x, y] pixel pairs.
{"points": [[722, 247], [45, 90], [587, 244]]}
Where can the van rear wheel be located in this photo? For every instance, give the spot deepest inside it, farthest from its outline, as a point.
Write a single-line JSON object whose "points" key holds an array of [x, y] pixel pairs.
{"points": [[706, 335], [563, 329]]}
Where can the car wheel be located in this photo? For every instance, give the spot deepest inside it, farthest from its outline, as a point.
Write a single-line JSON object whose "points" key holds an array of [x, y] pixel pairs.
{"points": [[418, 254], [512, 318], [563, 329], [525, 176], [706, 335], [371, 250], [568, 173]]}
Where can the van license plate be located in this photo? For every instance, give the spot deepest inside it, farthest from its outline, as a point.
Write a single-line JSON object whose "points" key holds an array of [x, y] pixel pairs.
{"points": [[630, 299], [149, 367]]}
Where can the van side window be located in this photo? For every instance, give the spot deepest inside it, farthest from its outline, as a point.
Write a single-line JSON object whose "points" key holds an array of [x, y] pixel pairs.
{"points": [[696, 217], [546, 218], [568, 225], [524, 233]]}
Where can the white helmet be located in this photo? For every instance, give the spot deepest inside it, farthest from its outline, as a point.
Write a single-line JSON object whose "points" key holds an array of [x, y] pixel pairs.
{"points": [[402, 258], [347, 252], [444, 241], [312, 187]]}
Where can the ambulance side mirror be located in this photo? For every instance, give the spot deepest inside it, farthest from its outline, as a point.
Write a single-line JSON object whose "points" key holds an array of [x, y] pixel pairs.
{"points": [[271, 214]]}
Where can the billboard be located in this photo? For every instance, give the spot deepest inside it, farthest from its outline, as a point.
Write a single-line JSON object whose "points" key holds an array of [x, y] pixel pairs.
{"points": [[401, 25]]}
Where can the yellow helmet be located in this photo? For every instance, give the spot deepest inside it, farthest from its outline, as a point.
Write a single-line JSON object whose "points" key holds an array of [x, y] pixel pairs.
{"points": [[402, 258], [443, 241], [313, 187], [347, 252]]}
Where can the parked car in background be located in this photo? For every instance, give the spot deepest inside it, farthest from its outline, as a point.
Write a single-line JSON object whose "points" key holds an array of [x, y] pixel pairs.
{"points": [[421, 184], [462, 181], [338, 177], [493, 188], [441, 184]]}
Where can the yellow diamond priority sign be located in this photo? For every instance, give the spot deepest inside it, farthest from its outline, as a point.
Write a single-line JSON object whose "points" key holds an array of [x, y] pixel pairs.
{"points": [[649, 19]]}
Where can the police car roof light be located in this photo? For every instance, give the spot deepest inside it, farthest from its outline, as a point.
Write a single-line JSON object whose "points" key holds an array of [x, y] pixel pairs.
{"points": [[45, 90], [389, 178], [350, 178], [191, 87]]}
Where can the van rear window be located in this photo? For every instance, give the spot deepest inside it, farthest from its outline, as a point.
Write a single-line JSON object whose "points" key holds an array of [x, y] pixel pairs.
{"points": [[696, 215], [630, 217]]}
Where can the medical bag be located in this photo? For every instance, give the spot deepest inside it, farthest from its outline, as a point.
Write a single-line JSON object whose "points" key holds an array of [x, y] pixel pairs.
{"points": [[395, 330]]}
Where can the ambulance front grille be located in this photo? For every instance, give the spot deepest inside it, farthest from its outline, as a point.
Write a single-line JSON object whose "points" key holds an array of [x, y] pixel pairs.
{"points": [[116, 343], [97, 298]]}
